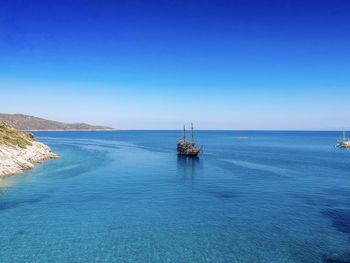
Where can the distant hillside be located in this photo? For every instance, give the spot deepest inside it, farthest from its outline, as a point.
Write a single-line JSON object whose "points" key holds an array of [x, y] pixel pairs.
{"points": [[25, 122]]}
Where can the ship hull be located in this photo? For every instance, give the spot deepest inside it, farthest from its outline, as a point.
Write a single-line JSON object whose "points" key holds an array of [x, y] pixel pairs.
{"points": [[345, 144], [192, 154]]}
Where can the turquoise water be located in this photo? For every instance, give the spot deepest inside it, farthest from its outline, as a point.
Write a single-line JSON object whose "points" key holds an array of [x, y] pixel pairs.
{"points": [[125, 196]]}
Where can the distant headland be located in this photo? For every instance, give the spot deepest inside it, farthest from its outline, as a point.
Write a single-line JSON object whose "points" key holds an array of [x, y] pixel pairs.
{"points": [[31, 123]]}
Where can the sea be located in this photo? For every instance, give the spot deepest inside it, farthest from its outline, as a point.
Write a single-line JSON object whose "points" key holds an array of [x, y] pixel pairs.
{"points": [[126, 196]]}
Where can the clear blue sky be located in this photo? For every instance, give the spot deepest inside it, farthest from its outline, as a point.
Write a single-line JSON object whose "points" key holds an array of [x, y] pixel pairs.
{"points": [[235, 64]]}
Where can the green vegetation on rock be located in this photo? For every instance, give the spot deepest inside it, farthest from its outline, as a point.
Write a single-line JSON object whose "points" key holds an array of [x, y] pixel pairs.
{"points": [[13, 137]]}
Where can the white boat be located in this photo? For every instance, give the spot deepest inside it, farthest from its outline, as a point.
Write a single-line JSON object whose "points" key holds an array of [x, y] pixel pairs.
{"points": [[344, 142]]}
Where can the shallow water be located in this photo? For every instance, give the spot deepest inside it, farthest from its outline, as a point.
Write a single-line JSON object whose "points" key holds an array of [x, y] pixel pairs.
{"points": [[125, 196]]}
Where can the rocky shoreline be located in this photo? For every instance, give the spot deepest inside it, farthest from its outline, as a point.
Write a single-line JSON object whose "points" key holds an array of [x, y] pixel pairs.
{"points": [[21, 151]]}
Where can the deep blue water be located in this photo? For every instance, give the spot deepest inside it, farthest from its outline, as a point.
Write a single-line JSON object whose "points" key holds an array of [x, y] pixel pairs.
{"points": [[125, 196]]}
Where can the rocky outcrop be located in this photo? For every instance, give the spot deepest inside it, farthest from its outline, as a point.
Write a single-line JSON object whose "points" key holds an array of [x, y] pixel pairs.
{"points": [[19, 151]]}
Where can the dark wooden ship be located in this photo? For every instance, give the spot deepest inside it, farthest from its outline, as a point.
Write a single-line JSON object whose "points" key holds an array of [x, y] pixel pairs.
{"points": [[188, 148]]}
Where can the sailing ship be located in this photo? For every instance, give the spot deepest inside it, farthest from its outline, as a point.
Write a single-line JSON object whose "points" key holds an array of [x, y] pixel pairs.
{"points": [[188, 148], [344, 142]]}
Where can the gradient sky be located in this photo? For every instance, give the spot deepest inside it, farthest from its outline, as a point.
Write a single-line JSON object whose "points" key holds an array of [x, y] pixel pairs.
{"points": [[235, 64]]}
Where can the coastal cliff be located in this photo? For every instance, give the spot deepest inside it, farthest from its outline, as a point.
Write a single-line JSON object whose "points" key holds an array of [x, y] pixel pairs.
{"points": [[20, 151]]}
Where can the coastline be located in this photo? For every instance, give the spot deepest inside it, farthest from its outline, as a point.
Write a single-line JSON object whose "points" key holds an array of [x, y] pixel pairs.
{"points": [[16, 160], [74, 130], [20, 151]]}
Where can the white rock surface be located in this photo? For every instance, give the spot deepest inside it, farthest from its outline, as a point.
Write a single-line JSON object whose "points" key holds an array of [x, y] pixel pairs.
{"points": [[14, 160]]}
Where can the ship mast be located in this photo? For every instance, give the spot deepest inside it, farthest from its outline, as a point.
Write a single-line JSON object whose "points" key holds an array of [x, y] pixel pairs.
{"points": [[184, 133], [344, 138], [192, 133]]}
